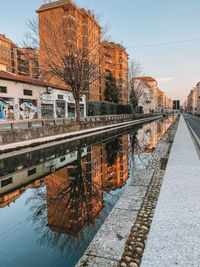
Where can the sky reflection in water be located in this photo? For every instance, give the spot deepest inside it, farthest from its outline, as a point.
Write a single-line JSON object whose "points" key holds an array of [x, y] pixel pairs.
{"points": [[53, 201]]}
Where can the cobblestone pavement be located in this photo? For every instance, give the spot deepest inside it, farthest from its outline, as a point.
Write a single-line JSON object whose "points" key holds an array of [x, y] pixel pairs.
{"points": [[136, 241]]}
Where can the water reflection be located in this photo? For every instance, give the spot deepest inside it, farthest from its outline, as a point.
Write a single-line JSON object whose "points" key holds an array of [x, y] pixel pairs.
{"points": [[115, 163], [74, 186]]}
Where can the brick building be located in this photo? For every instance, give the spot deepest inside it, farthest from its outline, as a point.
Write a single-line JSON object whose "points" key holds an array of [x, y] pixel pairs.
{"points": [[115, 62], [75, 31], [23, 61], [6, 53]]}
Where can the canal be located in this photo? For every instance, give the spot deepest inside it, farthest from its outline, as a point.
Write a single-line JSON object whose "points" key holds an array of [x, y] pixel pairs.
{"points": [[54, 200]]}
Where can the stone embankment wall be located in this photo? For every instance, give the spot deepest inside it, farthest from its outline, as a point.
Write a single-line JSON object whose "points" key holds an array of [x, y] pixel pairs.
{"points": [[121, 240], [24, 134]]}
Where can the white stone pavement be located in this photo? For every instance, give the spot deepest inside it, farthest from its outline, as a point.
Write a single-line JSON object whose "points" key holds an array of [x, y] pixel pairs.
{"points": [[174, 237]]}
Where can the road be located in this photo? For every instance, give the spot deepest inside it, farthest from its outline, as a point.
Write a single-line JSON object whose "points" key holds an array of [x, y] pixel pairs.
{"points": [[194, 122]]}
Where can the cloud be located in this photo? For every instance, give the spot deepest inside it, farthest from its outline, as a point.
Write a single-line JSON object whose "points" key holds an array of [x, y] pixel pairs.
{"points": [[165, 79]]}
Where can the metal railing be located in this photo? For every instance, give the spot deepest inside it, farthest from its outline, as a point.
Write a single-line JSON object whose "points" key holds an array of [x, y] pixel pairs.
{"points": [[25, 124]]}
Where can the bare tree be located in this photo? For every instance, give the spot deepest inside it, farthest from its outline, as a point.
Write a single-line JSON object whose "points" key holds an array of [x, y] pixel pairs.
{"points": [[139, 92], [68, 56], [134, 69]]}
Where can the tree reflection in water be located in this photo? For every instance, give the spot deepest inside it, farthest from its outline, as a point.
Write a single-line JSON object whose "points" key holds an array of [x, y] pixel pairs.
{"points": [[112, 149], [66, 214]]}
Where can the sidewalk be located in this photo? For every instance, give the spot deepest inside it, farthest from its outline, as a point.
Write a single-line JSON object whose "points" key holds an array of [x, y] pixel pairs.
{"points": [[174, 237]]}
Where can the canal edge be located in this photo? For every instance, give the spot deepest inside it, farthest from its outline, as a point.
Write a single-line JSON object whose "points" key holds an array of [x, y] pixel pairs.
{"points": [[130, 254]]}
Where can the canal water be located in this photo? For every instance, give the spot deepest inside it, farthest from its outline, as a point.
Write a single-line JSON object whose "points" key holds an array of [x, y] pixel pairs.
{"points": [[54, 200]]}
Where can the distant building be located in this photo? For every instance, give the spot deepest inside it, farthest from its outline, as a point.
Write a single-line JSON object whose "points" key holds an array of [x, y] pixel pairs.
{"points": [[115, 63], [198, 97], [23, 61], [176, 104], [151, 98]]}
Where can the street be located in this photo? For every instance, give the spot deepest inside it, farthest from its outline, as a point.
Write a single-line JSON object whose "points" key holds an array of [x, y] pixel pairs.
{"points": [[194, 122]]}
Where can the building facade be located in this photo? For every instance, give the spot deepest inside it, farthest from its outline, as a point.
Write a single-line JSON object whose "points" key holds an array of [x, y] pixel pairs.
{"points": [[198, 98], [115, 63], [76, 32], [23, 98], [151, 98], [23, 61]]}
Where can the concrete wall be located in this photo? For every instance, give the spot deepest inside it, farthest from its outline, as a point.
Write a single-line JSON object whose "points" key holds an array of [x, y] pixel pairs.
{"points": [[20, 135]]}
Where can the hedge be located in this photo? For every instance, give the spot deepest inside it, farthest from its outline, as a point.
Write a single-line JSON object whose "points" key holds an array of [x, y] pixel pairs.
{"points": [[96, 108]]}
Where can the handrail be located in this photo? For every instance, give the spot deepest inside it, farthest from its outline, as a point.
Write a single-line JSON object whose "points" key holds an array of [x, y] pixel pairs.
{"points": [[55, 121]]}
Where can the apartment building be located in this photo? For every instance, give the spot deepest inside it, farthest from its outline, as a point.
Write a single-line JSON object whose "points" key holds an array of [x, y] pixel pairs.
{"points": [[23, 61], [148, 92], [66, 29], [151, 98], [6, 53], [115, 63], [192, 101], [198, 98]]}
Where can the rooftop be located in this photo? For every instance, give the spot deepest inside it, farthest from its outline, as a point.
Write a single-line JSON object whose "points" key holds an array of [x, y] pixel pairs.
{"points": [[145, 79], [3, 37], [52, 5], [113, 45], [62, 3], [5, 75]]}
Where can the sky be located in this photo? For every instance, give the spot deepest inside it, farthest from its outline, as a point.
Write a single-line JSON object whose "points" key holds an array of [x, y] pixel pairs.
{"points": [[137, 24]]}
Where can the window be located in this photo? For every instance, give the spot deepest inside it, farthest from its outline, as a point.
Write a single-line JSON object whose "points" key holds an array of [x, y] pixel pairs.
{"points": [[3, 89], [27, 92], [6, 181], [62, 159], [60, 97], [47, 111], [31, 172]]}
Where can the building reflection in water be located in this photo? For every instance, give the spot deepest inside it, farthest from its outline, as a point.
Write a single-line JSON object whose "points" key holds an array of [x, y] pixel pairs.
{"points": [[73, 199], [74, 194], [115, 163]]}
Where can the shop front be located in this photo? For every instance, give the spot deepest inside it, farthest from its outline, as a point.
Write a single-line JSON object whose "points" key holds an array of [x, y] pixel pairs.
{"points": [[47, 106], [60, 108], [71, 109]]}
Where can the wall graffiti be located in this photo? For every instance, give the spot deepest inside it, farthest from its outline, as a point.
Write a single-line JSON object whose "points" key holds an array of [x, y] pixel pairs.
{"points": [[27, 110], [6, 110]]}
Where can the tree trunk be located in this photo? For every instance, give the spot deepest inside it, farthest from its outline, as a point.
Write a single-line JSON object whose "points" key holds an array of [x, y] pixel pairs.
{"points": [[77, 110]]}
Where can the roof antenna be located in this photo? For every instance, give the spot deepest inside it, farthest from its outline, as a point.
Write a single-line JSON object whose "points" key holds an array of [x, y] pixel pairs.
{"points": [[47, 1]]}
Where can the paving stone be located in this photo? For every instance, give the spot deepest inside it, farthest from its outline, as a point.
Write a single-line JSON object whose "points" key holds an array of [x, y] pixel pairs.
{"points": [[174, 236], [131, 198], [90, 261], [142, 178], [107, 241]]}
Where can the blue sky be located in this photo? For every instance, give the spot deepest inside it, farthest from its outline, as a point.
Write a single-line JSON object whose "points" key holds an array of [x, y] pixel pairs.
{"points": [[137, 23]]}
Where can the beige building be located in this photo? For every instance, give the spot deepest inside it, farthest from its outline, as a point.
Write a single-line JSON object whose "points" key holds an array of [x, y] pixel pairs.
{"points": [[24, 98], [198, 97], [151, 98], [192, 101]]}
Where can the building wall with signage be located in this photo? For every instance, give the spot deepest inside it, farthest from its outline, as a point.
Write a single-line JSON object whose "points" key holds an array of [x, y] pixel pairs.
{"points": [[19, 101], [65, 104], [23, 101]]}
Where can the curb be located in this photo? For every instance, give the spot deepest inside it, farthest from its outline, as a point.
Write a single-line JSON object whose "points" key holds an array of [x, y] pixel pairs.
{"points": [[197, 140]]}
